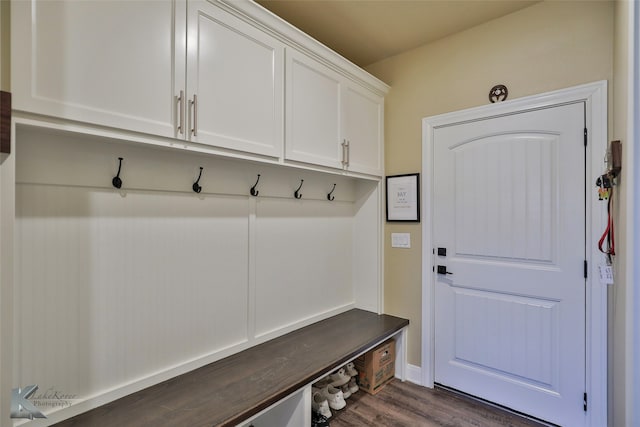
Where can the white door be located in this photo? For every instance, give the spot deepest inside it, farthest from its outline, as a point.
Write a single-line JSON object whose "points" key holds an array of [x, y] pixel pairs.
{"points": [[236, 72], [509, 208]]}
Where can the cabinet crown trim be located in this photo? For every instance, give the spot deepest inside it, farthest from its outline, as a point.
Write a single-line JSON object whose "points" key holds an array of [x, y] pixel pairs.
{"points": [[293, 37]]}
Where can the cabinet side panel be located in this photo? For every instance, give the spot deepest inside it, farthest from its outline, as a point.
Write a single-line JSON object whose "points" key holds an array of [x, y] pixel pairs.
{"points": [[367, 257], [7, 219]]}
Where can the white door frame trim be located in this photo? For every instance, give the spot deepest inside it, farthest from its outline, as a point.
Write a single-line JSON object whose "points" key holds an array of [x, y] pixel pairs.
{"points": [[595, 97]]}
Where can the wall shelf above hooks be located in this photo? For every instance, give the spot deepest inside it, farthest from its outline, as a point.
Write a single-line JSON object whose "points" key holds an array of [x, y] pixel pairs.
{"points": [[297, 194], [117, 181]]}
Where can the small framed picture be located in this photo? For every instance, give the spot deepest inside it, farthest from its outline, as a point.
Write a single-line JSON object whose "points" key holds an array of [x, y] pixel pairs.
{"points": [[403, 198]]}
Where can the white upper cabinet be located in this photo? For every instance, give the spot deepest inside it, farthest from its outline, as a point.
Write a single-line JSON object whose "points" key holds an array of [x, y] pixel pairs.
{"points": [[102, 62], [363, 130], [122, 65], [236, 73], [331, 121], [314, 95], [211, 72]]}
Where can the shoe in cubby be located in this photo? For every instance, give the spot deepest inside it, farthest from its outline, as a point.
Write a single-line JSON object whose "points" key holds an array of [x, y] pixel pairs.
{"points": [[353, 386], [346, 392], [320, 405], [334, 397], [350, 369], [340, 378]]}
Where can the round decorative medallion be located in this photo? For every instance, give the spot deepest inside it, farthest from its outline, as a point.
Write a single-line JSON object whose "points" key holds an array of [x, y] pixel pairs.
{"points": [[498, 93]]}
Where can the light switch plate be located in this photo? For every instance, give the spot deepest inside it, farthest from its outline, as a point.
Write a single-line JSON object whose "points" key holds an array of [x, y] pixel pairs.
{"points": [[400, 240]]}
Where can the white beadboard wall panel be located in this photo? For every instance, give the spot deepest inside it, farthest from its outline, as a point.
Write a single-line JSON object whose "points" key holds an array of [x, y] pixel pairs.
{"points": [[366, 248], [303, 260], [119, 289], [491, 206], [51, 327], [143, 282]]}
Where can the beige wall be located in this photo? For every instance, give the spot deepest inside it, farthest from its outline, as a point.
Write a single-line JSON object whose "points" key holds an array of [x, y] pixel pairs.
{"points": [[548, 46], [5, 82]]}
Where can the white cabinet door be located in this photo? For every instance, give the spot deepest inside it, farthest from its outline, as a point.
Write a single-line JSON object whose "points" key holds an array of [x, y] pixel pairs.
{"points": [[313, 112], [363, 130], [102, 62], [236, 73]]}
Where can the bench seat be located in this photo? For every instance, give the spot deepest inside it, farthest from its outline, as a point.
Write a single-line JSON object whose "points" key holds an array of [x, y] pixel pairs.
{"points": [[234, 389]]}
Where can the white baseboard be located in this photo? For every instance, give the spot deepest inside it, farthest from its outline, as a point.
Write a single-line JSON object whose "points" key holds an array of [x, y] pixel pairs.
{"points": [[414, 374]]}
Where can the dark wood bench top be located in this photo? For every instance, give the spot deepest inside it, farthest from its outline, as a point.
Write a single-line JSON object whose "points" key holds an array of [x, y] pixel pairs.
{"points": [[233, 389]]}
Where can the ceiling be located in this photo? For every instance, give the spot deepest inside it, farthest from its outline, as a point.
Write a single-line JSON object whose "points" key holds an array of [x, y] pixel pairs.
{"points": [[366, 31]]}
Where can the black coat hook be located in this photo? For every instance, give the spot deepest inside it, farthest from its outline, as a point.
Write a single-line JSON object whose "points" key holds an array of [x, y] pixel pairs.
{"points": [[297, 194], [116, 181], [196, 185], [329, 196], [253, 190]]}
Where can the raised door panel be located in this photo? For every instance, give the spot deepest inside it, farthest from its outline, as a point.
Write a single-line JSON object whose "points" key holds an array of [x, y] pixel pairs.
{"points": [[101, 62], [237, 73], [313, 112], [363, 121]]}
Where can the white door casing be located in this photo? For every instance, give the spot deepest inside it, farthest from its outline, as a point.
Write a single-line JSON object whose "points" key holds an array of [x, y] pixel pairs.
{"points": [[594, 98], [509, 209]]}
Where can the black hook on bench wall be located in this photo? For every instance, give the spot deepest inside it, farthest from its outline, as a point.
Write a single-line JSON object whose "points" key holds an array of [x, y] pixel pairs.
{"points": [[116, 181], [297, 194], [329, 196], [197, 188], [253, 190]]}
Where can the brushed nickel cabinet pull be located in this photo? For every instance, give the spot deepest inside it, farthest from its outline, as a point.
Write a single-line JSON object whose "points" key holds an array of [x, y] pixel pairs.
{"points": [[344, 152], [194, 103], [348, 145], [181, 113]]}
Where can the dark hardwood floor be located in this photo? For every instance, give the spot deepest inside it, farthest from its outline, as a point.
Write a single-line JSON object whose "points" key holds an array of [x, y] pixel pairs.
{"points": [[402, 404]]}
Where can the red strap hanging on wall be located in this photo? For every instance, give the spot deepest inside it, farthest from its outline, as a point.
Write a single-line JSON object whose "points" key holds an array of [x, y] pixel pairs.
{"points": [[608, 234]]}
